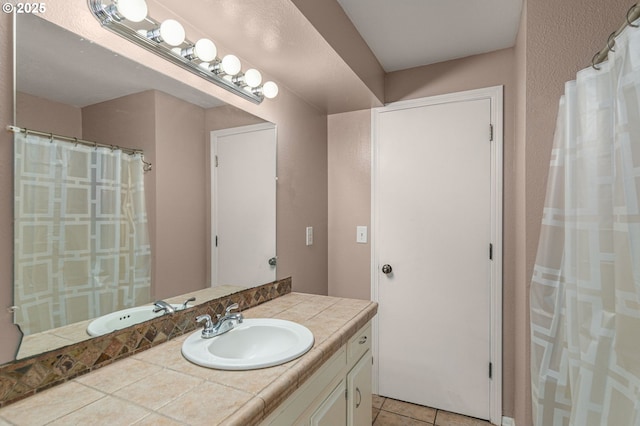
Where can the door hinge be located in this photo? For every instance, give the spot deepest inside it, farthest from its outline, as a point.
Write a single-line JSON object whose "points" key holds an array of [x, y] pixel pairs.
{"points": [[490, 251], [216, 161], [490, 370], [346, 394], [490, 132]]}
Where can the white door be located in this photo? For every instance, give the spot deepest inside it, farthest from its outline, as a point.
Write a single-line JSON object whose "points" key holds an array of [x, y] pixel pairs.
{"points": [[434, 220], [243, 205]]}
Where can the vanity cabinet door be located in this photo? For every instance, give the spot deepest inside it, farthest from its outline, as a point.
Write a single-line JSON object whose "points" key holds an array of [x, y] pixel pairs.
{"points": [[333, 410], [359, 398]]}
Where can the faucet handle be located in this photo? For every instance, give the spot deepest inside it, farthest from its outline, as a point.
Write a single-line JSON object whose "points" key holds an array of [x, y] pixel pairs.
{"points": [[186, 302], [207, 331], [204, 317], [237, 316], [231, 308]]}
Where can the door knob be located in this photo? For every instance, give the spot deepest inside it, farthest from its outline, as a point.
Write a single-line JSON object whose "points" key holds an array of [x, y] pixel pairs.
{"points": [[273, 261], [386, 269]]}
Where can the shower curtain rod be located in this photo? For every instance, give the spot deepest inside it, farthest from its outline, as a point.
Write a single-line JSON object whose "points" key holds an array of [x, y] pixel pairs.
{"points": [[131, 151], [16, 129], [632, 14]]}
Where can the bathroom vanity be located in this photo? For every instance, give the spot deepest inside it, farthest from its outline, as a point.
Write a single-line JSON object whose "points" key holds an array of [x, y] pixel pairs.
{"points": [[339, 393], [330, 384]]}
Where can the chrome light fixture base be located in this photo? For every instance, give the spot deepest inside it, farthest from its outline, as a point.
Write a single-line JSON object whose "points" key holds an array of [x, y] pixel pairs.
{"points": [[137, 34]]}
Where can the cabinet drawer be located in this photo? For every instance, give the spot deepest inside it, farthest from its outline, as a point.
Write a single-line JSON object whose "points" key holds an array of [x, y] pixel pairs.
{"points": [[359, 344]]}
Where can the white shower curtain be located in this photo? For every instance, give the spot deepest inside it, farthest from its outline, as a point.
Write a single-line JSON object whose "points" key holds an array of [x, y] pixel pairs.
{"points": [[81, 245], [585, 291]]}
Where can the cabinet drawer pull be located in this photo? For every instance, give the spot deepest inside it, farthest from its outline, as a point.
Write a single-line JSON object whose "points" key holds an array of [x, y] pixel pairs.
{"points": [[363, 340]]}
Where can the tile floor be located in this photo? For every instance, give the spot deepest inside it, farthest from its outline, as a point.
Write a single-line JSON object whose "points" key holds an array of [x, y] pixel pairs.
{"points": [[390, 412]]}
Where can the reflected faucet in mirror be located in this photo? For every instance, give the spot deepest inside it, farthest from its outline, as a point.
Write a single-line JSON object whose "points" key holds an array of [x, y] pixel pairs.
{"points": [[185, 305], [161, 305]]}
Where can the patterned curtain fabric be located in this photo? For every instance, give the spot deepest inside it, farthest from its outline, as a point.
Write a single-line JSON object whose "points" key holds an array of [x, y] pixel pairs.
{"points": [[585, 291], [81, 240]]}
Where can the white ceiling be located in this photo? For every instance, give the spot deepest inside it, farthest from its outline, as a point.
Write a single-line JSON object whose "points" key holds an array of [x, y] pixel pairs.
{"points": [[408, 33]]}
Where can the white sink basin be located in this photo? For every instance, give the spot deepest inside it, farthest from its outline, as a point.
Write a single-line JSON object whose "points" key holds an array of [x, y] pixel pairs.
{"points": [[256, 343], [122, 319]]}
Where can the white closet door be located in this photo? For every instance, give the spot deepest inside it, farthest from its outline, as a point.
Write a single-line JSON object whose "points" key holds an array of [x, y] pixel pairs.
{"points": [[433, 224]]}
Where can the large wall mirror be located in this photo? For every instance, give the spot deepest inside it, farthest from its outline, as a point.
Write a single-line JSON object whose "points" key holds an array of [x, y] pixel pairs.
{"points": [[70, 86]]}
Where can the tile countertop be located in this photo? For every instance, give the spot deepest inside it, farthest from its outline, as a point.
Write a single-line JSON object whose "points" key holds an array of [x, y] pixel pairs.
{"points": [[159, 387]]}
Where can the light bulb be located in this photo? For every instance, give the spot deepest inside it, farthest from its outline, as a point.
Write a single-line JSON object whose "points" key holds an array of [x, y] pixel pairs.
{"points": [[270, 90], [132, 10], [205, 50], [252, 77], [231, 65], [172, 32]]}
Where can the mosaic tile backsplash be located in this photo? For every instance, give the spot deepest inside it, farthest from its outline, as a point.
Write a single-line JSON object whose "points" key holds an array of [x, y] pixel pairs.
{"points": [[25, 377]]}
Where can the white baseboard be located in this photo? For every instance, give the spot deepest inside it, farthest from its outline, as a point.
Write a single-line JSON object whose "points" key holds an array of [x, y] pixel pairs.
{"points": [[508, 421]]}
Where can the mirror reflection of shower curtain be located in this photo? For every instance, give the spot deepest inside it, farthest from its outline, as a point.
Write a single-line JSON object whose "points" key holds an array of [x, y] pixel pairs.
{"points": [[81, 245], [585, 291]]}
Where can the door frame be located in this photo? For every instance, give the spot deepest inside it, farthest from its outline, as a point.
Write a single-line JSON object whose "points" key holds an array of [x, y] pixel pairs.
{"points": [[495, 95], [213, 137]]}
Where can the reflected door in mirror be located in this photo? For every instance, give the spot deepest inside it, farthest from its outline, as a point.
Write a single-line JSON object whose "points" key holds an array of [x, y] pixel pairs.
{"points": [[244, 205]]}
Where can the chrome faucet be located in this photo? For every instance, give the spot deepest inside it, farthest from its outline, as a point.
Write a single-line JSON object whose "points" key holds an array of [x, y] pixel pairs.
{"points": [[222, 325], [161, 305]]}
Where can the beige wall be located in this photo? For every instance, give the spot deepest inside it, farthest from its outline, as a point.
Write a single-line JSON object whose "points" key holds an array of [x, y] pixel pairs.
{"points": [[38, 113], [227, 117], [180, 167], [473, 72], [302, 200], [349, 148]]}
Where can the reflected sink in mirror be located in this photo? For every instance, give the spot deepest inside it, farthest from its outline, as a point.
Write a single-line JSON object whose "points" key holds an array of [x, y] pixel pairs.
{"points": [[255, 343], [125, 318]]}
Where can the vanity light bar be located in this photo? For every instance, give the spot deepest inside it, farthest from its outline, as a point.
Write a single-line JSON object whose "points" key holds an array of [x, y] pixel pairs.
{"points": [[123, 18]]}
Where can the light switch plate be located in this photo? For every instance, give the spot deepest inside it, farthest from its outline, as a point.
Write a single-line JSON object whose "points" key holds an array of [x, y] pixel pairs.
{"points": [[361, 234], [309, 235]]}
